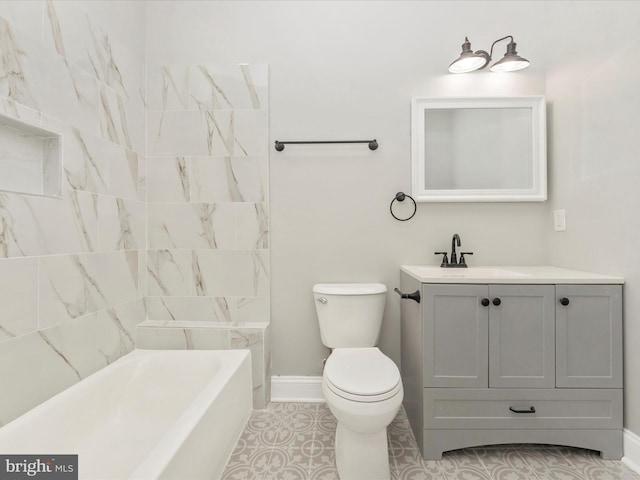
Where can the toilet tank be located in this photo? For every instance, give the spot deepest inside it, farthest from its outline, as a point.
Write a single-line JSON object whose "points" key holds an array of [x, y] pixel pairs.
{"points": [[349, 314]]}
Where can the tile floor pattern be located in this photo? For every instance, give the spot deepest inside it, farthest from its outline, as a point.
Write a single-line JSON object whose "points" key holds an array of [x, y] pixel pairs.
{"points": [[294, 441]]}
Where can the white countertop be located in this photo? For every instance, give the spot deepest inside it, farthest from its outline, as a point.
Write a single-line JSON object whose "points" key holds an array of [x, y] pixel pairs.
{"points": [[513, 275]]}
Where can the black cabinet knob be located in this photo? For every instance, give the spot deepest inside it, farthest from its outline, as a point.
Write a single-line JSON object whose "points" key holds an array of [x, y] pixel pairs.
{"points": [[497, 301], [564, 301], [485, 302]]}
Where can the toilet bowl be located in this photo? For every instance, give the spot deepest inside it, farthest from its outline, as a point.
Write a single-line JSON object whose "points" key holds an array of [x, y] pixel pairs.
{"points": [[361, 385], [364, 392]]}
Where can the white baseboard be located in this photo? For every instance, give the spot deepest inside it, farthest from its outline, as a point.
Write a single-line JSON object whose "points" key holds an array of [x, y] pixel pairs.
{"points": [[631, 448], [296, 389]]}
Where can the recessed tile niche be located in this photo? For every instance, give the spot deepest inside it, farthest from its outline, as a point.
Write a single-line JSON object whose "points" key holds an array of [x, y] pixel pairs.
{"points": [[30, 158]]}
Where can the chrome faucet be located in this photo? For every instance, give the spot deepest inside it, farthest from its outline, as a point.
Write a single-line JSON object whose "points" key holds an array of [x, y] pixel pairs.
{"points": [[454, 256]]}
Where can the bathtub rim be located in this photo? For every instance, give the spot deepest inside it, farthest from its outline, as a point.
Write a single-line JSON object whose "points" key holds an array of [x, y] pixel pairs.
{"points": [[162, 450]]}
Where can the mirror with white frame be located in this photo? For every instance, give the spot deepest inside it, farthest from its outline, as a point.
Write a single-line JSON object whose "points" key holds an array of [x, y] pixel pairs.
{"points": [[479, 149]]}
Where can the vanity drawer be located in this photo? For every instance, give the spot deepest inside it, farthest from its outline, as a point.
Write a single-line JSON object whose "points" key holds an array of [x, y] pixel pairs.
{"points": [[465, 408]]}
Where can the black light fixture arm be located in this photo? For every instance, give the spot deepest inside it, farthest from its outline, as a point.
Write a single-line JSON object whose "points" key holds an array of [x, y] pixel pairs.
{"points": [[499, 40], [489, 56]]}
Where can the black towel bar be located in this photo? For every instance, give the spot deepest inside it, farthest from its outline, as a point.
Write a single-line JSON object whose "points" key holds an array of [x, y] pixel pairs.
{"points": [[373, 144]]}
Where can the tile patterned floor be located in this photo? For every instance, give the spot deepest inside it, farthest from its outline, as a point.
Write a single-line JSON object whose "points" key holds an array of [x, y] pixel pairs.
{"points": [[294, 441]]}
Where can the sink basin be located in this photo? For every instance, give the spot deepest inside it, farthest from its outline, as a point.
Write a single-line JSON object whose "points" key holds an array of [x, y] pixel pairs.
{"points": [[469, 272]]}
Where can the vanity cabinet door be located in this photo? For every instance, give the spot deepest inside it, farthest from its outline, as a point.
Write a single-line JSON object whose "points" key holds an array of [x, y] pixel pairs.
{"points": [[589, 336], [522, 336], [455, 335]]}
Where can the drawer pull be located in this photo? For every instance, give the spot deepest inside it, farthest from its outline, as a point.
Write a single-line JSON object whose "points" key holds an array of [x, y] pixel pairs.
{"points": [[531, 409]]}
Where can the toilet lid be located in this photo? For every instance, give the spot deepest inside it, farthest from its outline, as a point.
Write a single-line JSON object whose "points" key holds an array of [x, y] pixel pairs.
{"points": [[362, 372]]}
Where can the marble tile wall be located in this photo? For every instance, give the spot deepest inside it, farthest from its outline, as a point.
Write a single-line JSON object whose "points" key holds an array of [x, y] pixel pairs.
{"points": [[72, 268], [164, 208], [208, 211], [207, 191]]}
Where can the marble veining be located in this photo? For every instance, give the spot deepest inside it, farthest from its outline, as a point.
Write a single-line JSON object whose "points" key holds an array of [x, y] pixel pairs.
{"points": [[228, 179], [234, 188], [125, 340], [49, 342], [174, 90], [261, 234], [56, 31], [104, 65], [251, 87], [72, 305], [205, 214], [81, 220], [222, 309], [168, 275], [217, 97], [235, 87], [32, 225], [126, 240], [260, 271], [178, 133], [75, 285], [183, 174], [8, 235], [198, 225], [121, 225], [198, 280], [217, 129], [13, 81], [71, 292], [68, 93], [84, 169], [79, 39]]}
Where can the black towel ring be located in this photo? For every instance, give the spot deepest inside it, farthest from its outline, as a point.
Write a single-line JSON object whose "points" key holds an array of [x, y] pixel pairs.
{"points": [[400, 196]]}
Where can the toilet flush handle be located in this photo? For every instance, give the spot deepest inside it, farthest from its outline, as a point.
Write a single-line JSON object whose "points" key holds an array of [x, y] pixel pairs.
{"points": [[322, 300]]}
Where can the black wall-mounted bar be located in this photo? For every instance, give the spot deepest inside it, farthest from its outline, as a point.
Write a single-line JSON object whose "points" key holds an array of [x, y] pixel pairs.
{"points": [[373, 144]]}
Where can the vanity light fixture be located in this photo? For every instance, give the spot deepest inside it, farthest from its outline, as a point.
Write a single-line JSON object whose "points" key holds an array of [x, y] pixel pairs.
{"points": [[469, 61]]}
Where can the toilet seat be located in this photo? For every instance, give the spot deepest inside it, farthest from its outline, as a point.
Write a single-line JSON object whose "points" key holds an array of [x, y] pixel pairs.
{"points": [[362, 375]]}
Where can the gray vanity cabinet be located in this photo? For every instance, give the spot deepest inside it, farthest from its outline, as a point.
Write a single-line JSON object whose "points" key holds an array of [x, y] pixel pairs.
{"points": [[455, 336], [589, 336], [489, 335], [521, 336], [506, 363]]}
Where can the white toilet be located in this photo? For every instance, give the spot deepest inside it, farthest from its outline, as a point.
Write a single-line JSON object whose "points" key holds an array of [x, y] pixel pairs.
{"points": [[362, 386]]}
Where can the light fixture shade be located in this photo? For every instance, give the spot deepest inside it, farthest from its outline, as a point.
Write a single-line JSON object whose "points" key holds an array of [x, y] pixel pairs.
{"points": [[468, 61], [511, 61]]}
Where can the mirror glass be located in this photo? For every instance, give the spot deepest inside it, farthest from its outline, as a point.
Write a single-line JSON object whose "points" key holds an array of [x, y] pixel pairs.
{"points": [[479, 149]]}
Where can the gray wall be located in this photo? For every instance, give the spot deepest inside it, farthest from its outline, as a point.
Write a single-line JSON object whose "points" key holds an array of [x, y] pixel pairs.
{"points": [[592, 88]]}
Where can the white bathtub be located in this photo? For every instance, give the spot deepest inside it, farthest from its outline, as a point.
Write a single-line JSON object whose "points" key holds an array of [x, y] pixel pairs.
{"points": [[151, 414]]}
